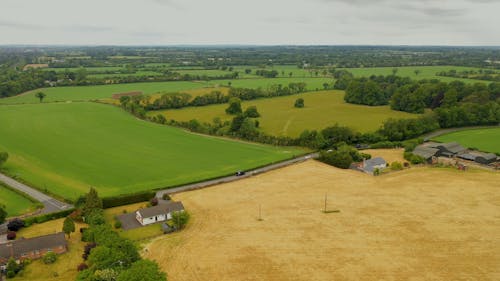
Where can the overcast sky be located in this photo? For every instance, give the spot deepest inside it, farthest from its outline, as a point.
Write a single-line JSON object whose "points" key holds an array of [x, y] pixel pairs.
{"points": [[167, 22]]}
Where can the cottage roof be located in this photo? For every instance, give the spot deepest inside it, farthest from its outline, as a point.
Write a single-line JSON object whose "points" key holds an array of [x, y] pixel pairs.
{"points": [[425, 152], [25, 246], [370, 164], [488, 156], [161, 209]]}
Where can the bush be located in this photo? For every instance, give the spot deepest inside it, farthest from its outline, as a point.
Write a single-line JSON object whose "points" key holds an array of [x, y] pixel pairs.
{"points": [[47, 217], [15, 224], [11, 274], [49, 258], [154, 201], [11, 235], [118, 224], [414, 159], [396, 166], [115, 201], [82, 266], [299, 103], [165, 196]]}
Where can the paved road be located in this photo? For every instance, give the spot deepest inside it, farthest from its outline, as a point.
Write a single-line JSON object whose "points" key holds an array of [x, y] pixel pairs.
{"points": [[50, 204], [250, 173]]}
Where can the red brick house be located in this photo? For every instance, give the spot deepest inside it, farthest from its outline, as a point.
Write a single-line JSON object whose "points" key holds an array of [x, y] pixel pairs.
{"points": [[33, 248]]}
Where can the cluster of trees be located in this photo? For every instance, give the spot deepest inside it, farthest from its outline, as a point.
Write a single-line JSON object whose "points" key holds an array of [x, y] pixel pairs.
{"points": [[108, 256], [481, 74], [266, 73], [342, 156], [454, 103]]}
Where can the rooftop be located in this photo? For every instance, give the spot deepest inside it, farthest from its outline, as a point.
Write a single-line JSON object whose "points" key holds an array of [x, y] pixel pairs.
{"points": [[161, 209], [24, 246]]}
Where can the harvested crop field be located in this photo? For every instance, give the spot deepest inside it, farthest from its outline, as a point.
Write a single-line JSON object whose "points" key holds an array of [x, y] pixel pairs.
{"points": [[418, 224]]}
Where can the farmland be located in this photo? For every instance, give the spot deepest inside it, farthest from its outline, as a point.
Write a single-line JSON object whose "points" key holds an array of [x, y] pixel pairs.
{"points": [[67, 147], [280, 117], [482, 139], [16, 204], [418, 224]]}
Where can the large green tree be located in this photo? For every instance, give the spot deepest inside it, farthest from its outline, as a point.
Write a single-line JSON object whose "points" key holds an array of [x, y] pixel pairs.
{"points": [[92, 202], [40, 96], [234, 106], [68, 226], [143, 270], [180, 219]]}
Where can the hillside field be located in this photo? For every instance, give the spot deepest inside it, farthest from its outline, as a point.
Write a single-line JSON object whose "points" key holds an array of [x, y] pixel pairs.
{"points": [[280, 117], [15, 203], [417, 224], [482, 139], [67, 147]]}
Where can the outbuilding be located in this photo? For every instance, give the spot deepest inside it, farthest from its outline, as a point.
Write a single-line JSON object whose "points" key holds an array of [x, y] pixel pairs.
{"points": [[428, 153], [450, 149], [370, 165]]}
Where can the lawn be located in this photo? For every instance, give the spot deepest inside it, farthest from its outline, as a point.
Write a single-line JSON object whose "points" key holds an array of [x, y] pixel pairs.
{"points": [[85, 93], [65, 268], [482, 139], [65, 148], [16, 203], [418, 224], [280, 117]]}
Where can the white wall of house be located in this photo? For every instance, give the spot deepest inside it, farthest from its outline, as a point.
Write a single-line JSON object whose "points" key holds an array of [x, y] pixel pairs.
{"points": [[150, 220]]}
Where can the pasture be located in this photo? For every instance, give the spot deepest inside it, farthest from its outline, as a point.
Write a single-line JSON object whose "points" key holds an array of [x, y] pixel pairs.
{"points": [[65, 148], [280, 117], [482, 139], [417, 224], [15, 203]]}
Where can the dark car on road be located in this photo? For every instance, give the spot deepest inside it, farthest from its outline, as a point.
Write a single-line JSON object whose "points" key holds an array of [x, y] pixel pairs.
{"points": [[240, 173]]}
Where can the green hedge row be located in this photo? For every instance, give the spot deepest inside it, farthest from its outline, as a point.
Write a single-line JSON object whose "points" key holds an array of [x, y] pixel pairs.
{"points": [[115, 201], [47, 217]]}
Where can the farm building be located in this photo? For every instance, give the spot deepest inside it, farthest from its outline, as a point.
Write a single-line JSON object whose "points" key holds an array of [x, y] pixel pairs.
{"points": [[158, 213], [428, 153], [33, 248], [369, 166], [449, 149], [479, 157]]}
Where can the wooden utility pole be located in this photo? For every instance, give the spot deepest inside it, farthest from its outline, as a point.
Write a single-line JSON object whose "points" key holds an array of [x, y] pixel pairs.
{"points": [[326, 198]]}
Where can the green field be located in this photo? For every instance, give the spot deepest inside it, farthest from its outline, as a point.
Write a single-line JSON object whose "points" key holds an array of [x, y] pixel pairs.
{"points": [[85, 93], [482, 139], [426, 72], [16, 204], [68, 147], [311, 83], [280, 117]]}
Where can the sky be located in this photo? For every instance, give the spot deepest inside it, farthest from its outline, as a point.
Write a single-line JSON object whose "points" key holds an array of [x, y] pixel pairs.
{"points": [[256, 22]]}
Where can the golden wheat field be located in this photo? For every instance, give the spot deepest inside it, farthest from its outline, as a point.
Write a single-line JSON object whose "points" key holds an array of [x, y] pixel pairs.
{"points": [[417, 224]]}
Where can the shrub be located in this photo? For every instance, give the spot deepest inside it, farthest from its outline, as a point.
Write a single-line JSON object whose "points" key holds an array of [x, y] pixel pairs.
{"points": [[11, 274], [49, 258], [11, 235], [376, 172], [47, 217], [165, 196], [82, 266], [154, 201], [118, 224], [15, 224], [299, 103], [414, 159], [396, 166]]}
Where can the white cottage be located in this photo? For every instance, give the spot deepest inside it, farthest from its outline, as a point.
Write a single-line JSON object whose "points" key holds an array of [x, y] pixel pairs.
{"points": [[158, 213]]}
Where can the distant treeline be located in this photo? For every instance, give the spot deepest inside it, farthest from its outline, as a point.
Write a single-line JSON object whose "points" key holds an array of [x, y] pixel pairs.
{"points": [[486, 74], [180, 100]]}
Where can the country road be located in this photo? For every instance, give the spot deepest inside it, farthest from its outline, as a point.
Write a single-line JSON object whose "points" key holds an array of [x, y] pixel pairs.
{"points": [[249, 173], [50, 204]]}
